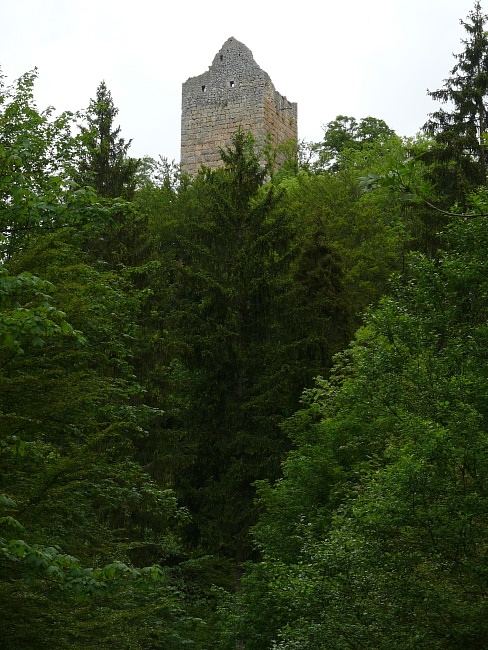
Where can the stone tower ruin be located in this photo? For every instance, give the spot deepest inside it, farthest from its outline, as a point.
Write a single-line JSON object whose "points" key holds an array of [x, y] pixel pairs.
{"points": [[233, 93]]}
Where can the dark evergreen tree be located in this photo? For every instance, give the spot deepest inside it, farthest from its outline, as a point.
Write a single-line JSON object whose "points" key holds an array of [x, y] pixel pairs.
{"points": [[249, 298], [458, 158], [234, 251], [105, 164]]}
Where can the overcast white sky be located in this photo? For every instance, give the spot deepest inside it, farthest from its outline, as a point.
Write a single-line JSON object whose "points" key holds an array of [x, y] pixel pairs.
{"points": [[349, 57]]}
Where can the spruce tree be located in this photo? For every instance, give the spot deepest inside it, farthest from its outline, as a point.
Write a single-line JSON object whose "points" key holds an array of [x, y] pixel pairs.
{"points": [[105, 164], [459, 156], [255, 316]]}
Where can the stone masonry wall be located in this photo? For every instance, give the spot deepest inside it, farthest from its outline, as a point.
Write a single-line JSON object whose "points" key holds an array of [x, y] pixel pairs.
{"points": [[233, 93]]}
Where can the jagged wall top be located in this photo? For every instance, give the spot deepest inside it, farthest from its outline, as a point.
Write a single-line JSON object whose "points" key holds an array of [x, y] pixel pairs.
{"points": [[239, 53], [233, 65]]}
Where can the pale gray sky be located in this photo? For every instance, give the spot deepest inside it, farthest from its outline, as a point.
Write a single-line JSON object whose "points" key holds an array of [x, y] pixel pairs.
{"points": [[355, 57]]}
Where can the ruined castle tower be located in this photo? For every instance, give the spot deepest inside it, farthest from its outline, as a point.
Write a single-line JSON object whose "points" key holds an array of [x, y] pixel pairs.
{"points": [[233, 93]]}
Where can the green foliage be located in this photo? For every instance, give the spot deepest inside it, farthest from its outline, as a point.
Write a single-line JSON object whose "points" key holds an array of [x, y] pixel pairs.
{"points": [[71, 426], [409, 182], [35, 165], [27, 315], [376, 535], [369, 231], [78, 509]]}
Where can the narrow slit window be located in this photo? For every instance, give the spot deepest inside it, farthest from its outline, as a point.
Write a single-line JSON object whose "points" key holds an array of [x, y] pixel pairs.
{"points": [[221, 57], [231, 84], [204, 89]]}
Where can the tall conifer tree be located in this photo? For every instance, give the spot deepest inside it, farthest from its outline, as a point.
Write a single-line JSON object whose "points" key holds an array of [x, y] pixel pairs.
{"points": [[255, 316], [106, 165], [460, 157]]}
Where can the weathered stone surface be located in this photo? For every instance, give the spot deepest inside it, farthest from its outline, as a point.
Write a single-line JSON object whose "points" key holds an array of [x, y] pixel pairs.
{"points": [[233, 93]]}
